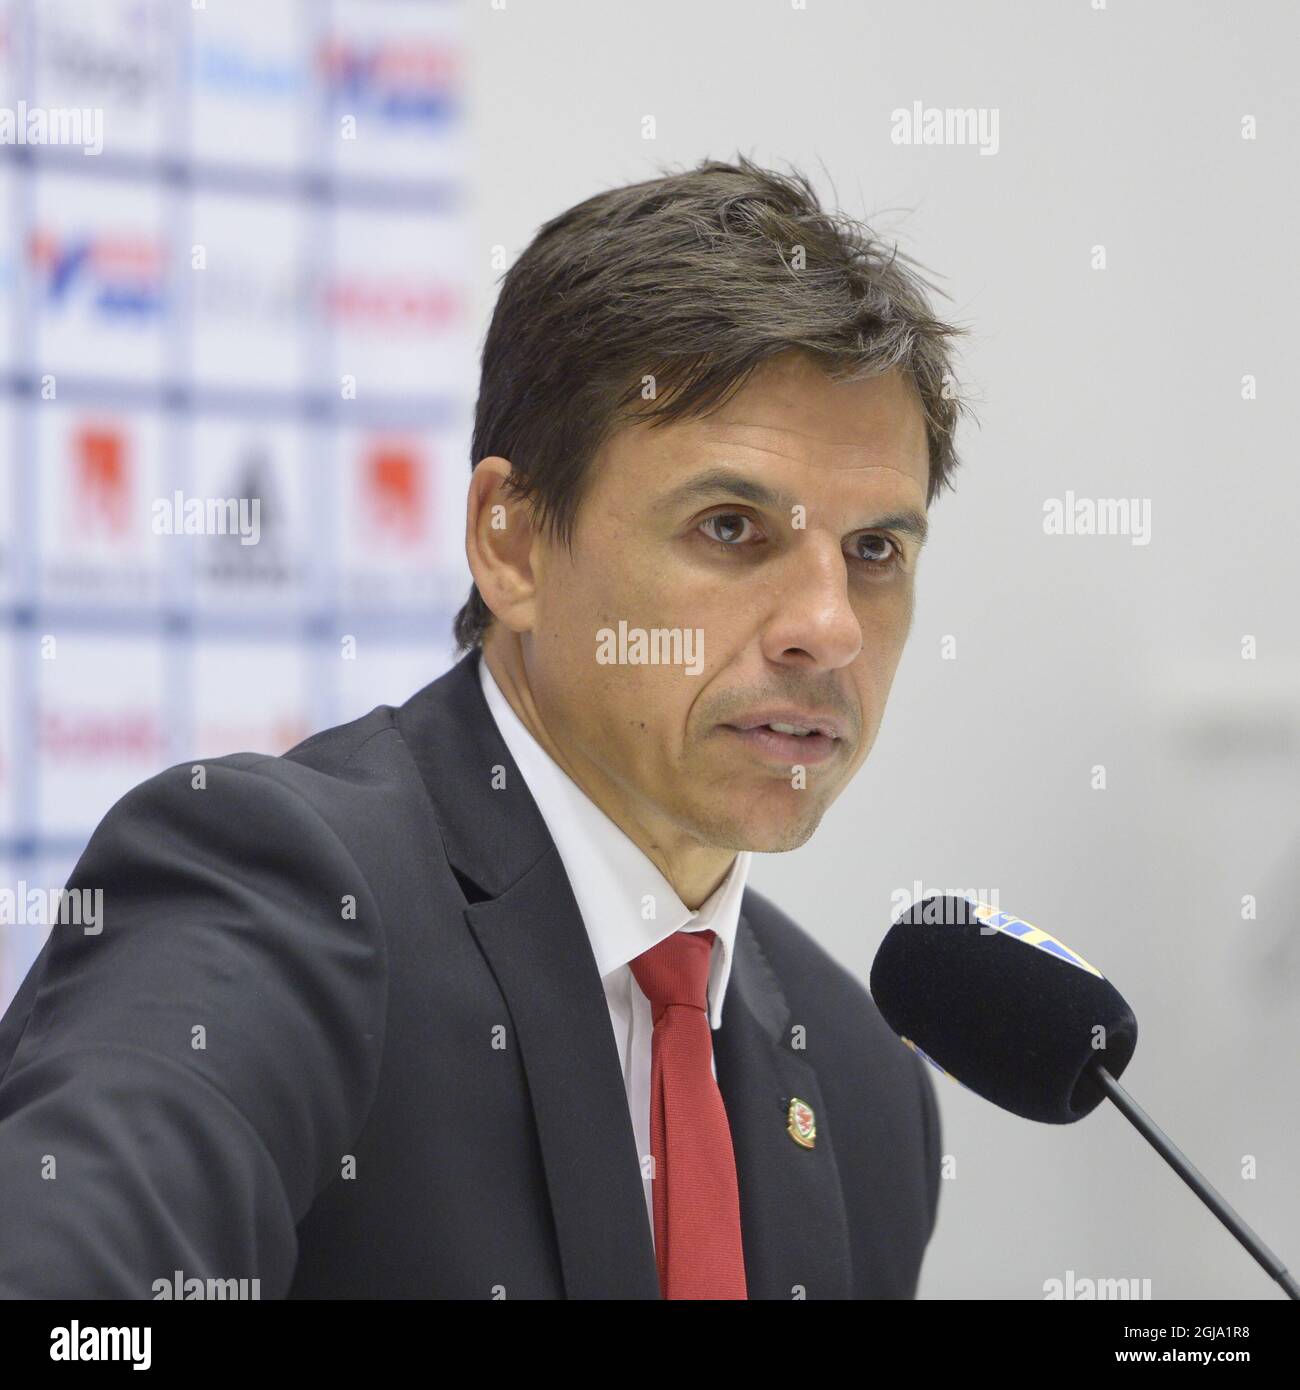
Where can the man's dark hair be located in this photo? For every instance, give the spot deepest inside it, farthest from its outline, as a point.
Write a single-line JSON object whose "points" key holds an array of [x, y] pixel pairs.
{"points": [[692, 279]]}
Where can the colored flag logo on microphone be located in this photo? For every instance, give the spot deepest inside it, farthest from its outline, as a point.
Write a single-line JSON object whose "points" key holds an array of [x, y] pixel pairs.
{"points": [[1030, 935], [925, 1057]]}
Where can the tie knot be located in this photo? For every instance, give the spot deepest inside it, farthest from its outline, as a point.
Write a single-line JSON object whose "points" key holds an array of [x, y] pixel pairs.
{"points": [[676, 971]]}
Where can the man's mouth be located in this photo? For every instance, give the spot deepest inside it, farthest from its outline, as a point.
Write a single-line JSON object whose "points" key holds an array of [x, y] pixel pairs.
{"points": [[790, 741]]}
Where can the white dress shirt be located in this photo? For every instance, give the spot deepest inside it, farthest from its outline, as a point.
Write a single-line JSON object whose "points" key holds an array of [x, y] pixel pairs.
{"points": [[613, 881]]}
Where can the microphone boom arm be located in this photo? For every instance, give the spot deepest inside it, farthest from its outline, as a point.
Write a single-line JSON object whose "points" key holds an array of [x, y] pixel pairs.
{"points": [[1178, 1161]]}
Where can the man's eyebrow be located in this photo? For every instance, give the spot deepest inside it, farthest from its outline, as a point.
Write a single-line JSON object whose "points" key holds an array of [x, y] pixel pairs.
{"points": [[726, 483]]}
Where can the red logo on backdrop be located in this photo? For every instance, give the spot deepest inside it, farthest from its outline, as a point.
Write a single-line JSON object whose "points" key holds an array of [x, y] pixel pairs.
{"points": [[394, 484], [80, 735], [102, 478], [392, 304]]}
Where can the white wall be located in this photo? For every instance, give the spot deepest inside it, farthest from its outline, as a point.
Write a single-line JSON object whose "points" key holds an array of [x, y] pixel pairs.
{"points": [[1119, 127]]}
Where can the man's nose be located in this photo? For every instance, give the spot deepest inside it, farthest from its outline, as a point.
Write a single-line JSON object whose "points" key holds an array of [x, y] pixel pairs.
{"points": [[812, 612]]}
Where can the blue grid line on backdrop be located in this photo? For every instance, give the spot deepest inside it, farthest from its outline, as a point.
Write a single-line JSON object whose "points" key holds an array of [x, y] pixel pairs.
{"points": [[176, 401]]}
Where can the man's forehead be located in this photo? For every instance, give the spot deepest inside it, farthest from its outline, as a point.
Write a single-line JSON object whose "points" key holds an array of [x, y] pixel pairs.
{"points": [[790, 425], [796, 412], [878, 448]]}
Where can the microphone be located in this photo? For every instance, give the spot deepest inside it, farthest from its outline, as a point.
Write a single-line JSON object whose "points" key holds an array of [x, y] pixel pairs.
{"points": [[1014, 1015]]}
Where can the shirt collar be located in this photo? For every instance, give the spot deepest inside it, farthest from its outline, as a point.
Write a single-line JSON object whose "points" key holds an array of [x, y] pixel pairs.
{"points": [[614, 882]]}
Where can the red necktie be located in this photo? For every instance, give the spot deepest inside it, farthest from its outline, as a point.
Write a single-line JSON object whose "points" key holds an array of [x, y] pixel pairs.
{"points": [[696, 1201]]}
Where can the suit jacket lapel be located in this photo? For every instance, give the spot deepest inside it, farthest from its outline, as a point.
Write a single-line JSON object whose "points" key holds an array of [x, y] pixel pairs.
{"points": [[793, 1221], [538, 948], [531, 932], [532, 935]]}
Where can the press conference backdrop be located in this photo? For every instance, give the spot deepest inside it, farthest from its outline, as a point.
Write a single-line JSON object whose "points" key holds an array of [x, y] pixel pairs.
{"points": [[246, 280]]}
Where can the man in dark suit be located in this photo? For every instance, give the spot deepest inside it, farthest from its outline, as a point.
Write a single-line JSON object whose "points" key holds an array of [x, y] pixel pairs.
{"points": [[469, 998]]}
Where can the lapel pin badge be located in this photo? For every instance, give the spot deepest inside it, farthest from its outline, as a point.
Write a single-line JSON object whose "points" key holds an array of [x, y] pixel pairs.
{"points": [[801, 1123]]}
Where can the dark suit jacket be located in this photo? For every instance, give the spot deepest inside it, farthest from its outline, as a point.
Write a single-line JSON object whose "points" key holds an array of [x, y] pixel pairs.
{"points": [[342, 1032]]}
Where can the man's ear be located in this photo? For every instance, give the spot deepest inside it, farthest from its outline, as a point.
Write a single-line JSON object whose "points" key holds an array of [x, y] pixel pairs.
{"points": [[499, 537]]}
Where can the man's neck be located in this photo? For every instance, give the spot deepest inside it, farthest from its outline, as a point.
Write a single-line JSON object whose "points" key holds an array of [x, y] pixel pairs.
{"points": [[694, 870]]}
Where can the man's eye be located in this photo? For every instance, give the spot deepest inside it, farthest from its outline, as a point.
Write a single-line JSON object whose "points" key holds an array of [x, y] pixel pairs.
{"points": [[734, 519], [885, 557], [727, 528]]}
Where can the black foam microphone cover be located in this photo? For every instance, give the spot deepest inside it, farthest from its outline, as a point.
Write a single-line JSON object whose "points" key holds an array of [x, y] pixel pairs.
{"points": [[1002, 1007]]}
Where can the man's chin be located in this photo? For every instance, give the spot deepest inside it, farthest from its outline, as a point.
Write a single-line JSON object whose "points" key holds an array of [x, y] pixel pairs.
{"points": [[774, 833], [781, 842]]}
